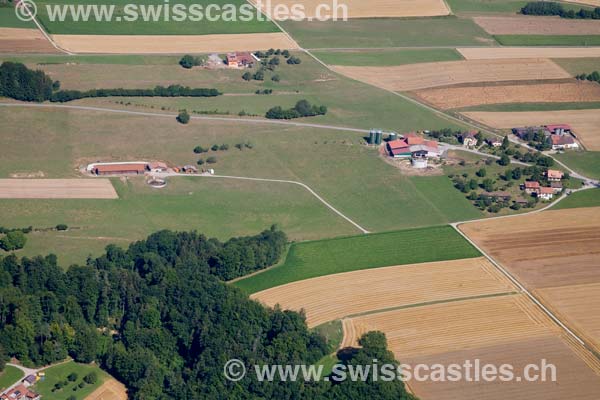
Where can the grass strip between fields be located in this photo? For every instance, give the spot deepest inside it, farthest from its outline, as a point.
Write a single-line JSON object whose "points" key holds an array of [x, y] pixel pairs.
{"points": [[548, 40], [331, 256]]}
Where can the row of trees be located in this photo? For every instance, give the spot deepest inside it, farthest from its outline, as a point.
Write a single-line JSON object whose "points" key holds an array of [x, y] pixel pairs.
{"points": [[551, 8], [158, 317], [593, 77], [302, 109], [20, 83]]}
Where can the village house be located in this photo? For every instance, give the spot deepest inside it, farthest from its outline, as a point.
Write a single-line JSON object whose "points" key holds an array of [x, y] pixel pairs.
{"points": [[495, 142], [20, 393], [557, 187], [157, 166], [468, 139], [545, 193], [189, 169], [413, 146], [241, 60], [531, 187], [563, 142], [554, 175]]}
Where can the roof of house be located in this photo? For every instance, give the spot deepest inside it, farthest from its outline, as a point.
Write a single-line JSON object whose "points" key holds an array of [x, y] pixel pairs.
{"points": [[554, 127], [396, 144], [19, 393], [558, 140], [31, 378], [121, 167], [412, 140], [157, 165], [495, 140], [556, 185], [532, 185], [546, 190], [469, 135], [401, 150], [554, 174]]}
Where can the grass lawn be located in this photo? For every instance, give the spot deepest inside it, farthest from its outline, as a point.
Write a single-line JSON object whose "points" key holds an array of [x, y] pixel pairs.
{"points": [[388, 32], [516, 107], [382, 58], [155, 26], [9, 376], [60, 373], [586, 198], [584, 162], [576, 66], [8, 18], [478, 6], [332, 256], [548, 40]]}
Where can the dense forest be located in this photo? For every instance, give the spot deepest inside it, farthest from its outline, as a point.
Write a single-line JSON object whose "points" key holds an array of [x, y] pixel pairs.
{"points": [[21, 83], [158, 316]]}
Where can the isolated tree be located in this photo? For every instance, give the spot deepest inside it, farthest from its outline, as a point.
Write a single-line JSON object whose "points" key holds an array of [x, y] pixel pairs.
{"points": [[247, 76], [183, 117], [504, 160], [481, 173]]}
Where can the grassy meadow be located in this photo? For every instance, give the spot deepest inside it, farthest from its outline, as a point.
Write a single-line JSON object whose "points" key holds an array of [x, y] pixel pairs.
{"points": [[585, 198], [584, 162], [576, 66], [388, 32], [156, 23], [8, 18], [548, 40], [9, 376], [60, 373], [333, 256]]}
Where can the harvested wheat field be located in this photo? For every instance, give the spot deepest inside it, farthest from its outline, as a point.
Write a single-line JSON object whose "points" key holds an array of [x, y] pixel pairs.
{"points": [[368, 9], [525, 25], [475, 95], [497, 53], [579, 305], [585, 123], [587, 2], [19, 40], [150, 44], [336, 296], [57, 189], [453, 326], [552, 248], [428, 75], [574, 378], [111, 389]]}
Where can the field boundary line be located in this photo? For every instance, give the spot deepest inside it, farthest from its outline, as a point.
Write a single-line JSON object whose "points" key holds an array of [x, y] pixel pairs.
{"points": [[308, 188], [46, 35]]}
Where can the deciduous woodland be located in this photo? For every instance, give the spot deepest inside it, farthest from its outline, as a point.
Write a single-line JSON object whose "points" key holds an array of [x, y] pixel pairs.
{"points": [[159, 319]]}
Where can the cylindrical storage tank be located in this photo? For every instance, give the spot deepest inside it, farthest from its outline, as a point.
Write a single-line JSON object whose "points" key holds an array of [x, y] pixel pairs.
{"points": [[392, 136], [372, 137], [378, 137], [419, 163]]}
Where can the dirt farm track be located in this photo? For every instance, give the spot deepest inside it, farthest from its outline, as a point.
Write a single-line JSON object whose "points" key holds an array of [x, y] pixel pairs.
{"points": [[428, 75], [380, 288], [585, 123], [372, 8], [180, 44], [474, 95], [57, 189]]}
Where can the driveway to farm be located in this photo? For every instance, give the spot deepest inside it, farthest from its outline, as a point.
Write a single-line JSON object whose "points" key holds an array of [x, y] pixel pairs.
{"points": [[30, 371]]}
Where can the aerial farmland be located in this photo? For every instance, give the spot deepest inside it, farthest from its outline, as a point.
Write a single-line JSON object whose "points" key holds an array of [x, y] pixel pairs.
{"points": [[193, 191]]}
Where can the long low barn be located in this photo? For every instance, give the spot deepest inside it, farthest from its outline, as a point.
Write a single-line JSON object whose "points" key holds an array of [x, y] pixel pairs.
{"points": [[120, 169], [57, 189]]}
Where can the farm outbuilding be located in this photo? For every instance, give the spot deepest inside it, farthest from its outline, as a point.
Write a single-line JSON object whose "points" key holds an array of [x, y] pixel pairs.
{"points": [[120, 169]]}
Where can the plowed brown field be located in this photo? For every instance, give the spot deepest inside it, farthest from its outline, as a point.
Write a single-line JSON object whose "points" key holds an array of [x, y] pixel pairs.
{"points": [[150, 44], [111, 389], [578, 304], [495, 53], [585, 123], [370, 8], [453, 326], [57, 189], [467, 96], [537, 25], [428, 75], [335, 296], [19, 40]]}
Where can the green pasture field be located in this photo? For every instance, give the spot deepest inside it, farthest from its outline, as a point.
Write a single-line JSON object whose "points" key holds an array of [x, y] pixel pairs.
{"points": [[584, 162], [60, 373], [156, 25], [548, 40], [9, 376], [8, 18], [333, 256], [382, 58], [350, 103], [586, 198], [498, 6], [516, 107], [388, 32], [576, 66], [217, 207]]}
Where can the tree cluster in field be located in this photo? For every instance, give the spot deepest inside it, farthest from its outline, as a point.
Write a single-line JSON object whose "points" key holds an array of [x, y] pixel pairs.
{"points": [[20, 83], [270, 64], [265, 91], [550, 8], [183, 117], [13, 240], [592, 77], [90, 379], [447, 135], [214, 147], [537, 139], [158, 317], [302, 109], [189, 61]]}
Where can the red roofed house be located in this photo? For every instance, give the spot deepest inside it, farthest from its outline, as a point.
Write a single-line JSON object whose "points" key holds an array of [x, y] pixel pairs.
{"points": [[561, 142], [554, 175], [546, 193], [20, 393], [120, 169], [241, 60], [411, 145], [558, 129], [531, 187]]}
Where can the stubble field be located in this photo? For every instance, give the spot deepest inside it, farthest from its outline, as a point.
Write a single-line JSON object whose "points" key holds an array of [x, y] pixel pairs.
{"points": [[57, 189], [485, 53], [524, 25], [23, 40]]}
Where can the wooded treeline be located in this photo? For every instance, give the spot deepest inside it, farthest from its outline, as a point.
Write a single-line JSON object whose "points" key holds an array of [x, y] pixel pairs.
{"points": [[158, 317]]}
